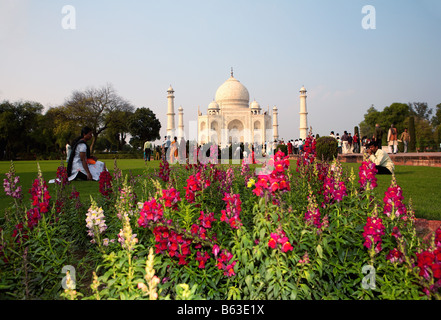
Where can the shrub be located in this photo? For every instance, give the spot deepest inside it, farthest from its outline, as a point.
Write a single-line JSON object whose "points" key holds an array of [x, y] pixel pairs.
{"points": [[283, 148], [326, 148]]}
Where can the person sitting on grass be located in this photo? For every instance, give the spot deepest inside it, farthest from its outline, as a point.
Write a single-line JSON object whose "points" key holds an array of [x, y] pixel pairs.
{"points": [[382, 161], [83, 166]]}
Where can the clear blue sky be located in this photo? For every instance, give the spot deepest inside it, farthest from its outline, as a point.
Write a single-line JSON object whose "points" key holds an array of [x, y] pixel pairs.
{"points": [[275, 47]]}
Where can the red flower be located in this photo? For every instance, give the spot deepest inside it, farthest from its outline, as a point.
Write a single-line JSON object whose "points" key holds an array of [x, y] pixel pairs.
{"points": [[171, 198], [279, 238], [232, 212], [272, 243], [105, 183], [202, 259], [150, 212], [287, 247], [395, 256], [436, 269]]}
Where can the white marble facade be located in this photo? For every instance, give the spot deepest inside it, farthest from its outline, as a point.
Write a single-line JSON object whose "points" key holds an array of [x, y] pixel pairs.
{"points": [[231, 118]]}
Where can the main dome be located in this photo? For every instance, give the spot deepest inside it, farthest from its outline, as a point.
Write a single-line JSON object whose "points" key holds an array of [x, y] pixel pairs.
{"points": [[232, 94]]}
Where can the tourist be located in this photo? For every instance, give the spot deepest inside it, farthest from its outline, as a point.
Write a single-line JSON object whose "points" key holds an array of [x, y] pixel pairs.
{"points": [[300, 146], [392, 139], [364, 140], [174, 150], [296, 146], [405, 137], [344, 139], [339, 144], [350, 143], [83, 166], [290, 153], [356, 143], [158, 152], [382, 161], [332, 134], [378, 135], [148, 149]]}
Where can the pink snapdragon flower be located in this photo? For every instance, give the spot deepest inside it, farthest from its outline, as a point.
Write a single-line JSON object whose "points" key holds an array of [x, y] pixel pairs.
{"points": [[151, 211], [393, 202], [279, 239], [232, 213], [373, 230], [367, 172]]}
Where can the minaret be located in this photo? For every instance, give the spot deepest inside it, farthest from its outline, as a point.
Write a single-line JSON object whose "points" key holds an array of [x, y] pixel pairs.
{"points": [[303, 114], [275, 123], [181, 123], [171, 113]]}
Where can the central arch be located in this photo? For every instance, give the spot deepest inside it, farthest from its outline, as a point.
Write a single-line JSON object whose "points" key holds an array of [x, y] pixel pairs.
{"points": [[235, 131]]}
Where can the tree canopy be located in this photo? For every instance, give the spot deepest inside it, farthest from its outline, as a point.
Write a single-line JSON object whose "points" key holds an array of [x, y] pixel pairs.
{"points": [[27, 133], [143, 125]]}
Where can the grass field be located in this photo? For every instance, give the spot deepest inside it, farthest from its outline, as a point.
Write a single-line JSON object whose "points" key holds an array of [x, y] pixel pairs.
{"points": [[421, 184]]}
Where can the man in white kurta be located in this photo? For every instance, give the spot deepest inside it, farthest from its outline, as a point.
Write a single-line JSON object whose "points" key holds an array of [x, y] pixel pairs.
{"points": [[381, 159]]}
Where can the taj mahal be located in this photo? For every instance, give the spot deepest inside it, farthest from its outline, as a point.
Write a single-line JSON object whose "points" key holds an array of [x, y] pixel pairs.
{"points": [[231, 118]]}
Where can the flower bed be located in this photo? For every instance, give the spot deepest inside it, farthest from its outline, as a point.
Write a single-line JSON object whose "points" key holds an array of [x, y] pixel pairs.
{"points": [[206, 231]]}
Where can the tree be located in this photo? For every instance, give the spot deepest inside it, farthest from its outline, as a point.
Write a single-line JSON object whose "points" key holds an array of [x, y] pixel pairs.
{"points": [[436, 119], [19, 128], [420, 110], [397, 114], [118, 127], [92, 107], [436, 124], [368, 124], [412, 143], [143, 126], [64, 129]]}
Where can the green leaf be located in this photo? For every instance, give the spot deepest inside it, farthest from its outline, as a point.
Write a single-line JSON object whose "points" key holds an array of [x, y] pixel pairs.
{"points": [[249, 281], [320, 251]]}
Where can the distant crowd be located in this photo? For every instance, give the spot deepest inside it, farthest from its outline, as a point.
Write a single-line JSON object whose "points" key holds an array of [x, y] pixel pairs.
{"points": [[176, 149]]}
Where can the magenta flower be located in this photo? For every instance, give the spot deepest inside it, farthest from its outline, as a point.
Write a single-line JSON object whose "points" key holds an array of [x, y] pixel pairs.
{"points": [[171, 198], [395, 256], [232, 213], [279, 239], [151, 211], [373, 230], [393, 202], [367, 172]]}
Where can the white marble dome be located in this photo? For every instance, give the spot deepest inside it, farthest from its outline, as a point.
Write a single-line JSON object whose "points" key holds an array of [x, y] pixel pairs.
{"points": [[255, 105], [232, 94], [213, 106]]}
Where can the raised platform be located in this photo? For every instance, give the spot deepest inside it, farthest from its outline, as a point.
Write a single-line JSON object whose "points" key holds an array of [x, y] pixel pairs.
{"points": [[426, 159]]}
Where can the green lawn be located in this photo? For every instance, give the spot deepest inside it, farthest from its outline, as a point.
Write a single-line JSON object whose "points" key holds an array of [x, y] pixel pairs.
{"points": [[421, 184]]}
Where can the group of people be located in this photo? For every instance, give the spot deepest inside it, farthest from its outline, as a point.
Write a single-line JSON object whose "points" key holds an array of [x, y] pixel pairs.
{"points": [[81, 165], [177, 150], [347, 143], [392, 138], [374, 148]]}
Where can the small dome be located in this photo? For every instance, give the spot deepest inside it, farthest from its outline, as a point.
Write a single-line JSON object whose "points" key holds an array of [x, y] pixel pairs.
{"points": [[170, 89], [213, 106], [303, 89], [255, 105]]}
